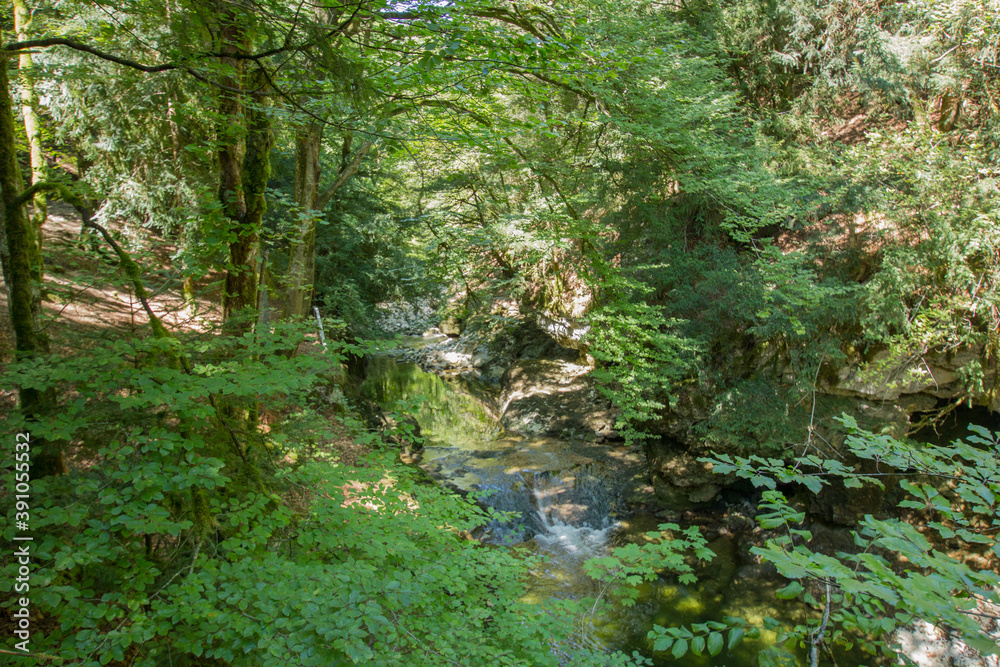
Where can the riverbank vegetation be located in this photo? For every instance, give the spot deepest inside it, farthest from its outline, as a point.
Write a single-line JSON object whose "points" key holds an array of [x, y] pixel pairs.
{"points": [[770, 229]]}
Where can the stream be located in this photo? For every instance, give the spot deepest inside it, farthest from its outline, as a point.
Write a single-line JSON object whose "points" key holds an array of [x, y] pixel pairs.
{"points": [[572, 502]]}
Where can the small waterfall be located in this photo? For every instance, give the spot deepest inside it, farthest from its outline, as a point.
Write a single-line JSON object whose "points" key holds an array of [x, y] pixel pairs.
{"points": [[568, 514], [574, 536], [509, 494]]}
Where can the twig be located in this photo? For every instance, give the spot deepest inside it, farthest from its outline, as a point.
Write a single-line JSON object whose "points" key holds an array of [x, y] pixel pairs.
{"points": [[319, 324], [817, 637]]}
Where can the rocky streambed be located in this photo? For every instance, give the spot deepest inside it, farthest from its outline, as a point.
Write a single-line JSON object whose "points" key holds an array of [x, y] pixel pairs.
{"points": [[512, 415], [574, 498]]}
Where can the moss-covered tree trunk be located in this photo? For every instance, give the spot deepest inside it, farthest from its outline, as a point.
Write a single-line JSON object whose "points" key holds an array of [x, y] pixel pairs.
{"points": [[244, 166], [256, 166], [29, 112], [232, 145], [302, 253], [311, 202], [22, 272]]}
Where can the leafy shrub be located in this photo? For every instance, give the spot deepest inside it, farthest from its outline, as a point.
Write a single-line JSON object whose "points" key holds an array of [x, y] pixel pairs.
{"points": [[901, 569], [185, 532]]}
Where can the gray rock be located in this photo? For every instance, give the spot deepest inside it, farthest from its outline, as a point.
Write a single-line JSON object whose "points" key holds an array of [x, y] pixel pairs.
{"points": [[680, 480], [450, 326], [556, 398]]}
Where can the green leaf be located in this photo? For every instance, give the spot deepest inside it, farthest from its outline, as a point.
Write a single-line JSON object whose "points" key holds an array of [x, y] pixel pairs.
{"points": [[789, 592], [663, 643], [715, 643]]}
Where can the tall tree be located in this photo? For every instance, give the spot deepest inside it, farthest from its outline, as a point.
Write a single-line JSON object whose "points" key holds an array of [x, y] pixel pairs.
{"points": [[311, 202], [29, 112], [22, 274]]}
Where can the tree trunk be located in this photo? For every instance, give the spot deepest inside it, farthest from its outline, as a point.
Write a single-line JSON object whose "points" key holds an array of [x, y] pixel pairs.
{"points": [[244, 167], [311, 202], [302, 254], [231, 195], [32, 123], [22, 272], [256, 172], [84, 208]]}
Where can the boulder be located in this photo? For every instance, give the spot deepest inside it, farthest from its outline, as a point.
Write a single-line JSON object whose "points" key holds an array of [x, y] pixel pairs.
{"points": [[498, 345], [567, 333], [679, 479], [914, 378], [450, 326], [404, 317], [843, 506], [557, 398], [488, 345], [927, 645]]}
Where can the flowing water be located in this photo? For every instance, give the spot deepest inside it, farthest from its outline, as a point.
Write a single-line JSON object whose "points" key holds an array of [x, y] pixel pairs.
{"points": [[569, 502]]}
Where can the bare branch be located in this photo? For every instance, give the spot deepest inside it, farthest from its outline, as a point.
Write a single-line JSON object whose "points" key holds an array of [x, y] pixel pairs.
{"points": [[79, 46], [345, 173]]}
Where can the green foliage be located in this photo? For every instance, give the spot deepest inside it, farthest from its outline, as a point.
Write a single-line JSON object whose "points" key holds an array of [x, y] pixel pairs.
{"points": [[942, 226], [795, 55], [729, 325], [365, 248], [579, 153], [643, 358], [644, 138], [667, 550], [900, 570], [670, 550], [709, 638], [769, 295], [373, 580], [788, 50], [119, 131], [161, 548], [683, 155]]}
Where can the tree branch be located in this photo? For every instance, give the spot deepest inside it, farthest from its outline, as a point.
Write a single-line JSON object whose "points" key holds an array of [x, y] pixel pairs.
{"points": [[344, 174], [555, 186], [132, 270], [64, 193], [448, 104], [817, 637], [135, 275], [79, 46], [156, 324]]}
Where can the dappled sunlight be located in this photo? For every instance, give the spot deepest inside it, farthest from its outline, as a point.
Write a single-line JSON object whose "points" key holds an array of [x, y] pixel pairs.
{"points": [[372, 496], [495, 333]]}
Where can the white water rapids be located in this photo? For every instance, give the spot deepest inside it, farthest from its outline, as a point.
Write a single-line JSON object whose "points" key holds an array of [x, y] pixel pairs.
{"points": [[559, 536]]}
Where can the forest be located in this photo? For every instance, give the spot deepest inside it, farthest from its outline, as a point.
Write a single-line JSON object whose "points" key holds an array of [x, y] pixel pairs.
{"points": [[500, 332]]}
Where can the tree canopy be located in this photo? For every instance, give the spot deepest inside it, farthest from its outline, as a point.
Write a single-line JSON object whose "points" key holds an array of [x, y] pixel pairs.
{"points": [[744, 203]]}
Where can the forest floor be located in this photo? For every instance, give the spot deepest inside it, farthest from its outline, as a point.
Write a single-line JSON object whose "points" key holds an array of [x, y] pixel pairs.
{"points": [[89, 299]]}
